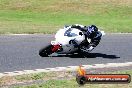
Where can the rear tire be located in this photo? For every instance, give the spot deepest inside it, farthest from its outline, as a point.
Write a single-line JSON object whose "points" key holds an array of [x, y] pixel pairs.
{"points": [[46, 51]]}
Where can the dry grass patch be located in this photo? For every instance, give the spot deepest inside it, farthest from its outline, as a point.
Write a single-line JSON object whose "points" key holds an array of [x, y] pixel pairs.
{"points": [[62, 5], [7, 80]]}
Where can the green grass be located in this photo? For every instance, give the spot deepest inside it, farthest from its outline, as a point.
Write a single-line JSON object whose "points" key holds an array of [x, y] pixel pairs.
{"points": [[36, 76], [47, 16], [9, 80], [71, 83], [52, 79]]}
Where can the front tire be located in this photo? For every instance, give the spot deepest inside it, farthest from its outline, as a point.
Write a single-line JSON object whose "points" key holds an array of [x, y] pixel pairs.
{"points": [[46, 51]]}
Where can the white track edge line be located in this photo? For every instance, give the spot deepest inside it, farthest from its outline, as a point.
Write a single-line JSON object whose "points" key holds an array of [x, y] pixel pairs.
{"points": [[68, 68]]}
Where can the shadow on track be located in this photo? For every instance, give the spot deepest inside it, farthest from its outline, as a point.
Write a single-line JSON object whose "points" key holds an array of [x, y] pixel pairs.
{"points": [[91, 55]]}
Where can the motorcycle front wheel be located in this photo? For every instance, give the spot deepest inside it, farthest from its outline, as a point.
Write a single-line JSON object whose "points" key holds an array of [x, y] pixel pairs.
{"points": [[44, 52]]}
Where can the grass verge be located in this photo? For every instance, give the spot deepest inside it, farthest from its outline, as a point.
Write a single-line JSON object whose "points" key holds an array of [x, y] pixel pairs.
{"points": [[59, 80], [72, 84], [47, 16], [27, 78]]}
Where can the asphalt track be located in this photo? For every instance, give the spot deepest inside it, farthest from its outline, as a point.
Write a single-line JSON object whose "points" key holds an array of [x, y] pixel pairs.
{"points": [[20, 52]]}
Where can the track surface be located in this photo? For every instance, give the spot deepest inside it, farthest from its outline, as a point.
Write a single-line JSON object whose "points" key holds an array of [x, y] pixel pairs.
{"points": [[20, 52]]}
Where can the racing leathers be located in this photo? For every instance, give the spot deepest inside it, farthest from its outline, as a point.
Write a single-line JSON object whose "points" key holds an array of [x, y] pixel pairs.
{"points": [[91, 33]]}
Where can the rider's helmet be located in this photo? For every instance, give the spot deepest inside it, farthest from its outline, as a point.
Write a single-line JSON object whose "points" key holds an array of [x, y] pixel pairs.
{"points": [[92, 30]]}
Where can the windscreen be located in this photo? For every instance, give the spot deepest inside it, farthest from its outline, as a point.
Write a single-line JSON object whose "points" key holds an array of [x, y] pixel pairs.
{"points": [[70, 33]]}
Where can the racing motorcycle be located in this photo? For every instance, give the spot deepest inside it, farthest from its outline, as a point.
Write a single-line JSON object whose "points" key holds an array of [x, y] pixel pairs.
{"points": [[63, 43]]}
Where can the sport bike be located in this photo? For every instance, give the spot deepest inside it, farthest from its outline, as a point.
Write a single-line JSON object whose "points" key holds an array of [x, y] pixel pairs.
{"points": [[64, 42]]}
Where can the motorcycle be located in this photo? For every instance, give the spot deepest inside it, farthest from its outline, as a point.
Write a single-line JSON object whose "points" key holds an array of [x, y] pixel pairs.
{"points": [[63, 43]]}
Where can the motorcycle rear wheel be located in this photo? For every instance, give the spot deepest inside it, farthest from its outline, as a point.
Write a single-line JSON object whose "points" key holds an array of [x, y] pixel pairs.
{"points": [[46, 51]]}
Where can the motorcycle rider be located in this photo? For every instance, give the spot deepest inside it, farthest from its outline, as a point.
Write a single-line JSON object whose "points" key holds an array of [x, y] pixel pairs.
{"points": [[91, 32]]}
